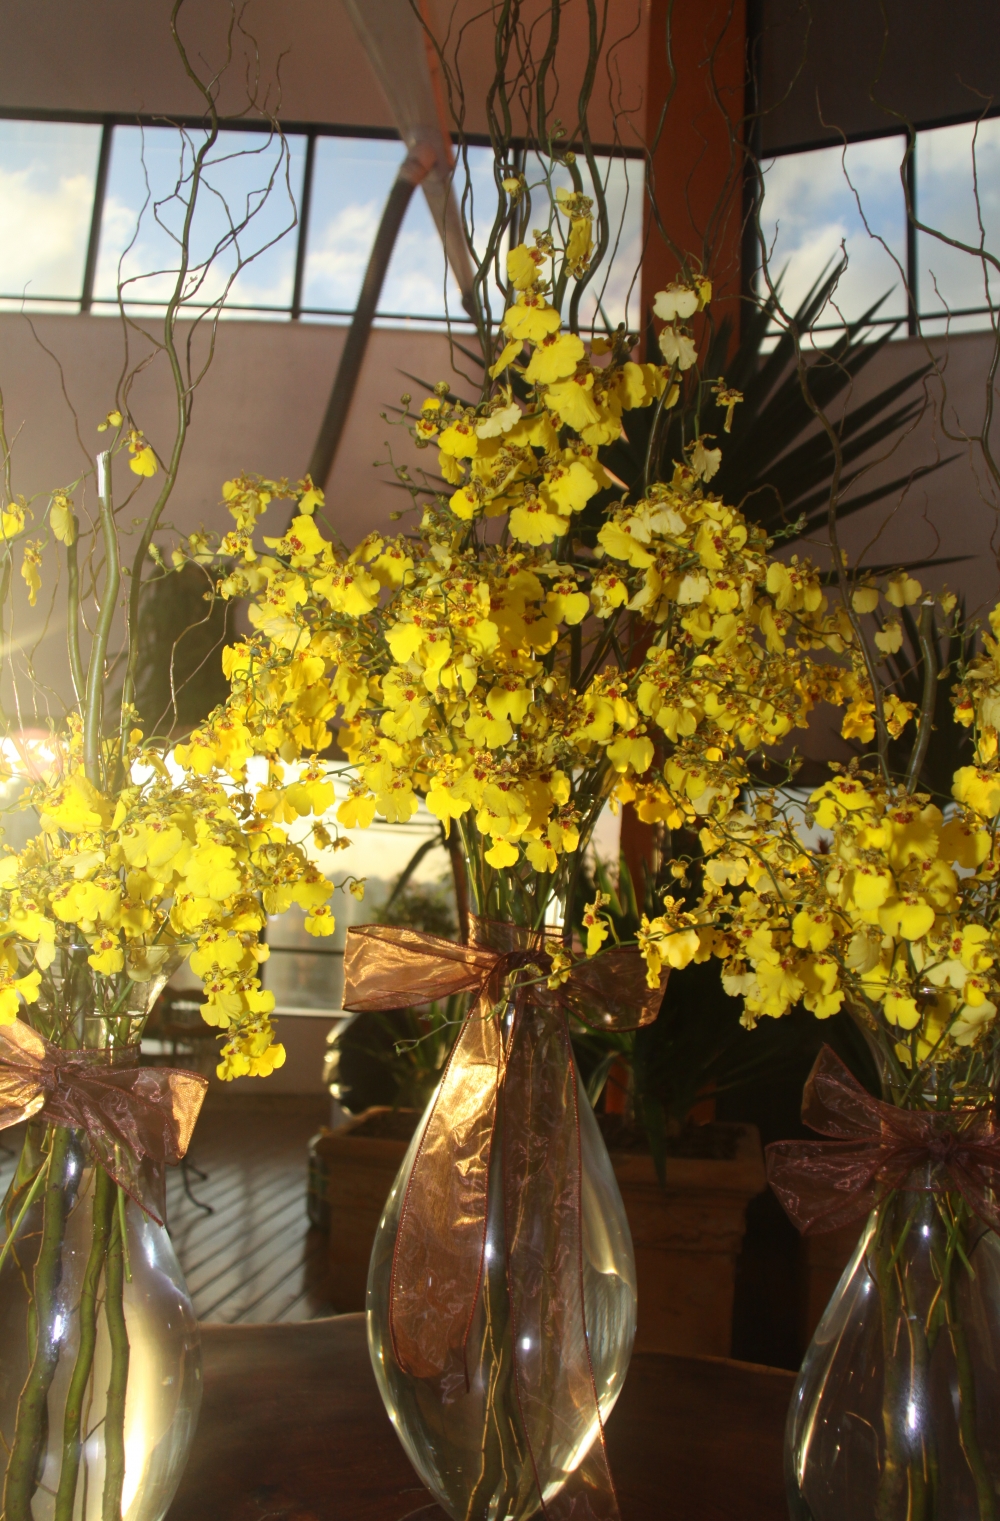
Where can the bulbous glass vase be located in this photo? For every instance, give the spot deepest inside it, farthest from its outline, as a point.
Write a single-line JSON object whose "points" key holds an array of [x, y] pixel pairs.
{"points": [[894, 1414], [100, 1354], [469, 1445]]}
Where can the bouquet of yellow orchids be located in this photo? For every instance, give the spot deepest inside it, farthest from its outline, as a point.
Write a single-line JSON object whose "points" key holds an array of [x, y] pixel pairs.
{"points": [[138, 862], [505, 662], [875, 898], [135, 876], [534, 648]]}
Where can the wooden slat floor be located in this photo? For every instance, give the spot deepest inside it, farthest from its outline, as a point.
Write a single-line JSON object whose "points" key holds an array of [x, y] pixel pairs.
{"points": [[255, 1257]]}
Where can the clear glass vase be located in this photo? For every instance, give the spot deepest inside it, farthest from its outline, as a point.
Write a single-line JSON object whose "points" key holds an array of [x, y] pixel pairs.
{"points": [[100, 1354], [894, 1414], [469, 1444]]}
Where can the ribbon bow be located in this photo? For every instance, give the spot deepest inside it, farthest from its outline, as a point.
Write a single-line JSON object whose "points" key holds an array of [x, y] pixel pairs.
{"points": [[128, 1113], [826, 1184], [528, 1076]]}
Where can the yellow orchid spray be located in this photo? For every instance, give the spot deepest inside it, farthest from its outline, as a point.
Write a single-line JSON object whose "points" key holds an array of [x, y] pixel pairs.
{"points": [[893, 915], [512, 669]]}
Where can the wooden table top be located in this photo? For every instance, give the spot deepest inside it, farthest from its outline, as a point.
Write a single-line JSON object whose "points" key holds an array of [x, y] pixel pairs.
{"points": [[292, 1428]]}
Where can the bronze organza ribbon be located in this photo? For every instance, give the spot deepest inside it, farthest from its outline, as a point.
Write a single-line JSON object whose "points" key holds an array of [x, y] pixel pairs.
{"points": [[529, 1079], [878, 1147], [128, 1113]]}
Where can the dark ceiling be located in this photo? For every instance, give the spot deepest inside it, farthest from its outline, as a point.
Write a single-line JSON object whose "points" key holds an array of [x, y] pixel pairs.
{"points": [[828, 68]]}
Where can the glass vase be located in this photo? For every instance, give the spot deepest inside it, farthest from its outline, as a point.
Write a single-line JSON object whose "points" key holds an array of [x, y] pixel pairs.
{"points": [[100, 1357], [894, 1414], [468, 1443]]}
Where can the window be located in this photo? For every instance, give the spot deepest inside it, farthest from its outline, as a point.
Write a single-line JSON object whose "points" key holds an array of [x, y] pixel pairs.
{"points": [[84, 206], [947, 280], [824, 202], [809, 216], [48, 176], [148, 185], [351, 182], [613, 296]]}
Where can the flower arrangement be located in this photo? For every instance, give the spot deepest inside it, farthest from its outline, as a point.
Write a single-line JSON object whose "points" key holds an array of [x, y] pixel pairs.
{"points": [[892, 914], [158, 863], [493, 663]]}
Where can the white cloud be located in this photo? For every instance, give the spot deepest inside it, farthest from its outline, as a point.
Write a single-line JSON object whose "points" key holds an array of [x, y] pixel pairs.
{"points": [[43, 244]]}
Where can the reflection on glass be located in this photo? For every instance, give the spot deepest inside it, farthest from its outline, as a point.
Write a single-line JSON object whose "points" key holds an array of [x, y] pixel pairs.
{"points": [[352, 178], [307, 973], [810, 214], [948, 280], [246, 204], [613, 296], [48, 171]]}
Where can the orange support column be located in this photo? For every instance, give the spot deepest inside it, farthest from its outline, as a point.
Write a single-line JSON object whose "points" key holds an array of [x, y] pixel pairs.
{"points": [[696, 86], [695, 108]]}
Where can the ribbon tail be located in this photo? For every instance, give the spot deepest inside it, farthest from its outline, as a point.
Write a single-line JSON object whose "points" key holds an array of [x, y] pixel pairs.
{"points": [[822, 1185], [556, 1390], [122, 1167], [440, 1240], [979, 1192]]}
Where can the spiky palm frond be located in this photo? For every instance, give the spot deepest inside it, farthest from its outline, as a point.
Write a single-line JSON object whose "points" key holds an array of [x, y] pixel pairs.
{"points": [[777, 464]]}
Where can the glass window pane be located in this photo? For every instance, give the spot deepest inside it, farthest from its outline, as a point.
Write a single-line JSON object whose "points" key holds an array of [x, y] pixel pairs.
{"points": [[47, 176], [352, 177], [351, 183], [149, 183], [415, 280], [948, 280], [613, 294], [809, 211], [300, 971]]}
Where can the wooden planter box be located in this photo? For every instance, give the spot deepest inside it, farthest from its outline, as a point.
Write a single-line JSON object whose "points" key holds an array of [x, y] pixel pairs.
{"points": [[687, 1237], [361, 1169]]}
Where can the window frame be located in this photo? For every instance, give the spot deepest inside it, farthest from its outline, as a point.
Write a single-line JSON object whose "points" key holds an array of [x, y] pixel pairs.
{"points": [[914, 315], [85, 303]]}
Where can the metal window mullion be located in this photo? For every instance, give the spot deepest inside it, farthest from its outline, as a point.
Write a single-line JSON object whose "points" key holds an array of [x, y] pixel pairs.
{"points": [[912, 293], [303, 229], [93, 243]]}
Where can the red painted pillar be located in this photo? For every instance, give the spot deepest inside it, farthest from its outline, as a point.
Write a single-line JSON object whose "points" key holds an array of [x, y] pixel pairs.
{"points": [[696, 85], [695, 105]]}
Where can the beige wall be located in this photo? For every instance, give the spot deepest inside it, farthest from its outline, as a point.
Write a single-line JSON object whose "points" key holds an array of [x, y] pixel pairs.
{"points": [[117, 56], [263, 398], [258, 409], [953, 512]]}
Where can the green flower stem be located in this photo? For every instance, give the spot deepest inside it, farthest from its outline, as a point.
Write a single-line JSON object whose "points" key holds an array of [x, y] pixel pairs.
{"points": [[123, 1232], [892, 1499], [93, 711], [80, 1380], [114, 1410], [32, 1194], [32, 1407]]}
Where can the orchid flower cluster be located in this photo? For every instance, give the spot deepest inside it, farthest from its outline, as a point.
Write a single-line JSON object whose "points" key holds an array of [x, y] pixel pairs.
{"points": [[165, 862], [894, 914], [492, 664]]}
